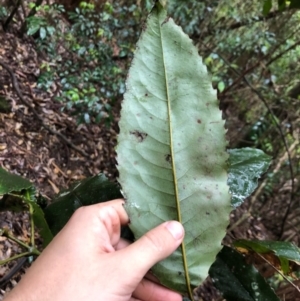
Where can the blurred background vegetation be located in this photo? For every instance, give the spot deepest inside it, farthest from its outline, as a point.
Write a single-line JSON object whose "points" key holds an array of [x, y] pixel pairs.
{"points": [[251, 49]]}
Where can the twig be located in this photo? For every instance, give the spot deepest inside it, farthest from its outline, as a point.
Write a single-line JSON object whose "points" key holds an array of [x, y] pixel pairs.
{"points": [[236, 25], [31, 13], [282, 53], [260, 96], [31, 249], [53, 132], [11, 16], [26, 254], [32, 238], [287, 149], [18, 266], [23, 8], [6, 234], [239, 221], [245, 72], [279, 272]]}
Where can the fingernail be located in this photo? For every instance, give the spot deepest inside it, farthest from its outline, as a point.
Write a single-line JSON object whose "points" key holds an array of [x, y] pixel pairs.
{"points": [[176, 229]]}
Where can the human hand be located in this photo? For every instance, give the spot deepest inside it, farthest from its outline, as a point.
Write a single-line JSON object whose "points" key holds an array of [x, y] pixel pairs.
{"points": [[87, 260]]}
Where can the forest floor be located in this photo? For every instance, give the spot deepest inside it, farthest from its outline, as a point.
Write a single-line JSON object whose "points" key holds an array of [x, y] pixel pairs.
{"points": [[30, 150], [52, 163]]}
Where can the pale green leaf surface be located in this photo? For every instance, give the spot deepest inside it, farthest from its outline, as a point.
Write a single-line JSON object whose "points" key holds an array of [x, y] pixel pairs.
{"points": [[171, 150]]}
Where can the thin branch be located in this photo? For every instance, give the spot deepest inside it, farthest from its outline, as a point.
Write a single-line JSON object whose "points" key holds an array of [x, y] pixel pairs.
{"points": [[34, 9], [31, 13], [260, 96], [279, 272], [23, 8], [32, 238], [20, 95], [236, 25], [5, 261], [6, 234], [282, 53], [15, 269], [11, 16], [245, 72]]}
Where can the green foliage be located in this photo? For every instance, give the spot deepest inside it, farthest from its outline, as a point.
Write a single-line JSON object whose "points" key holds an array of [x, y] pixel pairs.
{"points": [[267, 6], [10, 182], [18, 194], [190, 13], [237, 280], [282, 5], [85, 60], [207, 150], [3, 13], [90, 191], [283, 250], [246, 40], [246, 165]]}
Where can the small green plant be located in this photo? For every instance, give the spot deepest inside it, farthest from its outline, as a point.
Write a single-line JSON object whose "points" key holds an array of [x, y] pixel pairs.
{"points": [[84, 58]]}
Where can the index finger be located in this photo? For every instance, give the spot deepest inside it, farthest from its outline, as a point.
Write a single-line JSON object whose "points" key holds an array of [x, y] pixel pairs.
{"points": [[118, 205]]}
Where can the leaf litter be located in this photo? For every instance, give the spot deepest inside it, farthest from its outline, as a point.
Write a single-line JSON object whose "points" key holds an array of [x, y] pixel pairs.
{"points": [[31, 151]]}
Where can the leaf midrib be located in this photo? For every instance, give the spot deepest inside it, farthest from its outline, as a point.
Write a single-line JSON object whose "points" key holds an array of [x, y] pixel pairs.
{"points": [[185, 264]]}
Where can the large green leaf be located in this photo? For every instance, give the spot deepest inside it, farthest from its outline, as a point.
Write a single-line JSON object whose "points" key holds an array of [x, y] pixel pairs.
{"points": [[90, 191], [10, 182], [246, 165], [237, 280], [171, 150]]}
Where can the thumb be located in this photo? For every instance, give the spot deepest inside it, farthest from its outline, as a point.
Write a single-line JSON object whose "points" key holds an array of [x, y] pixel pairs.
{"points": [[153, 247]]}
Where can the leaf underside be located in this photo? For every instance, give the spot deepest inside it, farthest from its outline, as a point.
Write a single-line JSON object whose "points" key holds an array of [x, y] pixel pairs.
{"points": [[171, 150]]}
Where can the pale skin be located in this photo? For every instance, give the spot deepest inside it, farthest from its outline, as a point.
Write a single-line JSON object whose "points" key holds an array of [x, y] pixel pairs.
{"points": [[88, 260]]}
